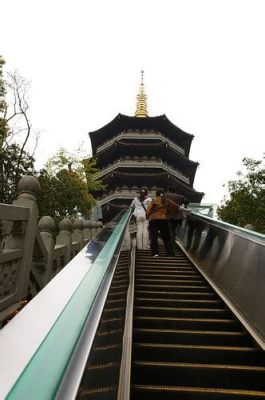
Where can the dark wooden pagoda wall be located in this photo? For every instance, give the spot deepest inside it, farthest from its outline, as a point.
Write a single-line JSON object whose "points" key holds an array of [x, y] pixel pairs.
{"points": [[130, 179]]}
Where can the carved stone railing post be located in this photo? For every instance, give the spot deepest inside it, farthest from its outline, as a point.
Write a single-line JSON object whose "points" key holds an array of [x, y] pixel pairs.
{"points": [[46, 227], [77, 235], [65, 237], [2, 237], [99, 226], [87, 230], [94, 228], [22, 235]]}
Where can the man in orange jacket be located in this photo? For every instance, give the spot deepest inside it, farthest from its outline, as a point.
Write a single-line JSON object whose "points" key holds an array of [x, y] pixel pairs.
{"points": [[157, 212]]}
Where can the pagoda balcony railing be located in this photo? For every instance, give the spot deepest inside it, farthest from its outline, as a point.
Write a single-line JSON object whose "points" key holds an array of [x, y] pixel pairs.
{"points": [[143, 164], [122, 194], [141, 136]]}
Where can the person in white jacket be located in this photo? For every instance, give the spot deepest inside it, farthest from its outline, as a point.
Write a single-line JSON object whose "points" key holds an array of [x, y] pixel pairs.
{"points": [[140, 205]]}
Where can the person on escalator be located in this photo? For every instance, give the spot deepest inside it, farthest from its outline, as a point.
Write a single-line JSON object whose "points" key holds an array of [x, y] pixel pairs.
{"points": [[140, 205], [158, 212], [175, 217]]}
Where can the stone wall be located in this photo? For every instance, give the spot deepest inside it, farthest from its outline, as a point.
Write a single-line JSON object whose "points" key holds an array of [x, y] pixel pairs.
{"points": [[30, 256]]}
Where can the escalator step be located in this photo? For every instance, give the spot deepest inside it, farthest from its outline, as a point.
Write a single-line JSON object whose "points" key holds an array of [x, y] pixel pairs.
{"points": [[186, 323], [175, 295], [191, 337], [181, 312], [179, 288], [155, 392], [198, 303], [198, 353], [187, 345], [106, 354], [234, 377], [101, 393]]}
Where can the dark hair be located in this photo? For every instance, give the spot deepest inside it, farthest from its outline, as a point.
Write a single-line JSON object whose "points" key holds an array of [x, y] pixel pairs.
{"points": [[143, 190], [171, 189], [160, 193]]}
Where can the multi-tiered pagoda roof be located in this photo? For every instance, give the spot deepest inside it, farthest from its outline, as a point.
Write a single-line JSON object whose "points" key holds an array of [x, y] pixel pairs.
{"points": [[132, 152]]}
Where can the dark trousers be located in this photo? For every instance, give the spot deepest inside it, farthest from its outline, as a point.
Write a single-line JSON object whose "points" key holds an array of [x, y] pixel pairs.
{"points": [[156, 226], [173, 223]]}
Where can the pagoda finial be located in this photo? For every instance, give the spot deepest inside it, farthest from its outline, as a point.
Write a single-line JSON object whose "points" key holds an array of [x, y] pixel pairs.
{"points": [[141, 105]]}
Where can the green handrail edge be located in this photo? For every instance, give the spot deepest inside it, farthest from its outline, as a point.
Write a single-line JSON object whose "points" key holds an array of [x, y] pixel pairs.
{"points": [[43, 374], [228, 226]]}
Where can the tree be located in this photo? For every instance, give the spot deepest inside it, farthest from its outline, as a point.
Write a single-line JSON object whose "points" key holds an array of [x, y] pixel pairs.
{"points": [[15, 131], [3, 121], [66, 183], [247, 197], [11, 171], [63, 194], [76, 161]]}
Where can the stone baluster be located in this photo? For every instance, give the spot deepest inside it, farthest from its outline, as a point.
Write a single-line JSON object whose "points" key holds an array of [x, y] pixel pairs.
{"points": [[2, 237], [23, 233], [87, 230], [99, 226], [47, 226], [77, 235], [94, 228], [64, 236]]}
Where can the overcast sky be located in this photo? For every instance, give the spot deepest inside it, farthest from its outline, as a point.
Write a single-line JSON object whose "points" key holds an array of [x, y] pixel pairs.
{"points": [[204, 63]]}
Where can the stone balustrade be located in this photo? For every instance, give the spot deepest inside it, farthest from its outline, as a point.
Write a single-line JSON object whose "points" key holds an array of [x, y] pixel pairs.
{"points": [[30, 254]]}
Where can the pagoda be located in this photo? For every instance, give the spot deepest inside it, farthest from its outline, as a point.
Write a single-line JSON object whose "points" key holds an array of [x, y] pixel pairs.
{"points": [[141, 151]]}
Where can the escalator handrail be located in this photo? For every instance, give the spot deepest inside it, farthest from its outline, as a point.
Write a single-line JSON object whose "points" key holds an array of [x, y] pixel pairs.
{"points": [[44, 373], [253, 235]]}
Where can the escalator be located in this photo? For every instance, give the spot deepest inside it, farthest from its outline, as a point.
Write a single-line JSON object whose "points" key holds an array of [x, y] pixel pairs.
{"points": [[186, 343], [101, 377]]}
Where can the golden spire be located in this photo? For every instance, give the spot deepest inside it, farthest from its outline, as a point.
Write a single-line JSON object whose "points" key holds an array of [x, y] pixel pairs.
{"points": [[141, 105]]}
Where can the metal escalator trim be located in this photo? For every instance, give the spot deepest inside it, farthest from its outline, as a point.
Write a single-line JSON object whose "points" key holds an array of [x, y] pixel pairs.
{"points": [[100, 334], [115, 301], [196, 346], [104, 389], [125, 369], [109, 310], [216, 310], [117, 293], [142, 280], [103, 366], [115, 286], [107, 347], [197, 365], [105, 321], [186, 293], [243, 321], [185, 319], [173, 274], [175, 286], [178, 300], [158, 262], [192, 332], [120, 281], [249, 393]]}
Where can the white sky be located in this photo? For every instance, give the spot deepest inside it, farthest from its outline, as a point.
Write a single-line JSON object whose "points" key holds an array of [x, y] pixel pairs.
{"points": [[204, 63]]}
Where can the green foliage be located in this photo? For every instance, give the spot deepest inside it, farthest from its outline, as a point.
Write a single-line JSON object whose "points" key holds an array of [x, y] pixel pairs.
{"points": [[76, 161], [3, 121], [2, 86], [66, 183], [247, 197], [63, 194], [10, 174], [14, 161]]}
